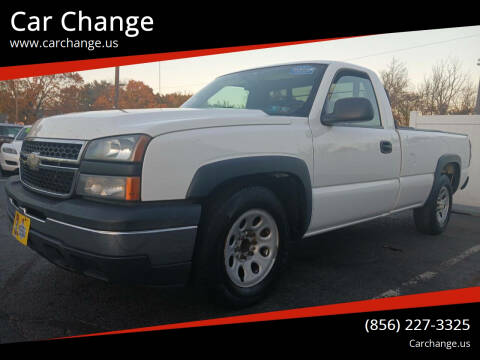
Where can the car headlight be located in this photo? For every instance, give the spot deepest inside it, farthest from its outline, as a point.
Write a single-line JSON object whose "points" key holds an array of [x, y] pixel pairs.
{"points": [[118, 148], [9, 150], [109, 187]]}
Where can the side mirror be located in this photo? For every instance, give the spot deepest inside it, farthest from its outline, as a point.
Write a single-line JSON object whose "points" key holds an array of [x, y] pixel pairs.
{"points": [[350, 109]]}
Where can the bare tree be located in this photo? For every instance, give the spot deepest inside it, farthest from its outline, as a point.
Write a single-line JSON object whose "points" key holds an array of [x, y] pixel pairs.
{"points": [[441, 90], [395, 77], [464, 103], [396, 83]]}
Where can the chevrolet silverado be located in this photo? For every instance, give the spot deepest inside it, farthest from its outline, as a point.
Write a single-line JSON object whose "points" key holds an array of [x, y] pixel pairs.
{"points": [[215, 192]]}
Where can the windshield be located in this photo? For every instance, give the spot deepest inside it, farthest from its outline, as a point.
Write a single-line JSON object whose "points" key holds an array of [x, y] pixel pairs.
{"points": [[10, 131], [286, 90], [21, 135]]}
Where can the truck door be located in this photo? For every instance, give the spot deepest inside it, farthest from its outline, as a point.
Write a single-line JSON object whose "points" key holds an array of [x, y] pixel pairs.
{"points": [[357, 164]]}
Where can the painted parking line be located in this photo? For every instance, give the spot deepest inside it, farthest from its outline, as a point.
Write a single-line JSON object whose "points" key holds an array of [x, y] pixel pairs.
{"points": [[429, 275]]}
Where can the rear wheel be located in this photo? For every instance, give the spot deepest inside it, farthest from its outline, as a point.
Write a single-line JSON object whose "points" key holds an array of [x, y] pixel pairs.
{"points": [[242, 245], [433, 217]]}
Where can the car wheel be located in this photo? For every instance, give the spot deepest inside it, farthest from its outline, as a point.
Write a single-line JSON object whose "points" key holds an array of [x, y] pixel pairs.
{"points": [[433, 217], [244, 239]]}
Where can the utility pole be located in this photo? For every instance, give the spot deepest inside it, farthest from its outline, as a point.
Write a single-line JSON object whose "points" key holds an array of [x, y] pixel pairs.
{"points": [[16, 104], [159, 80], [117, 85], [477, 105]]}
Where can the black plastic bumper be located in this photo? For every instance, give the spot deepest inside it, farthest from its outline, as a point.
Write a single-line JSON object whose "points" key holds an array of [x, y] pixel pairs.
{"points": [[149, 243]]}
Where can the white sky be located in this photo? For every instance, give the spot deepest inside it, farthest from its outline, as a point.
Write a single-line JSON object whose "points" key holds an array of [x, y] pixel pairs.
{"points": [[420, 50]]}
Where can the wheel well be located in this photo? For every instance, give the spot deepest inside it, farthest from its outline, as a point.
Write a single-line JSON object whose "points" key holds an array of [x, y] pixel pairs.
{"points": [[452, 170], [287, 187]]}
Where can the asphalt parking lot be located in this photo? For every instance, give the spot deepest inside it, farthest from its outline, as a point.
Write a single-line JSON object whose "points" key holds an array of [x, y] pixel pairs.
{"points": [[384, 257]]}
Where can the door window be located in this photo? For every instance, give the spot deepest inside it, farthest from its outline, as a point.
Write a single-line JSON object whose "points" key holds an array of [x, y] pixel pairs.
{"points": [[353, 84]]}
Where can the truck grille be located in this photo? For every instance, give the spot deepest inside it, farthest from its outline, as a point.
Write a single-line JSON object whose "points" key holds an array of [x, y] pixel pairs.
{"points": [[52, 149], [52, 180], [50, 167]]}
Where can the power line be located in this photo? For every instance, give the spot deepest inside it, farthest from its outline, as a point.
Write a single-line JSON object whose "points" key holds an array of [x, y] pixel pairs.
{"points": [[412, 47]]}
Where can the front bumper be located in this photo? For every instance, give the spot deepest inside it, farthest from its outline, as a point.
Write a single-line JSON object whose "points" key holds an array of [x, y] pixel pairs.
{"points": [[148, 243]]}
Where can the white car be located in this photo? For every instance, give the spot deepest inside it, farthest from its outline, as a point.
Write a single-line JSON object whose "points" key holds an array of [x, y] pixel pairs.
{"points": [[10, 152], [215, 192]]}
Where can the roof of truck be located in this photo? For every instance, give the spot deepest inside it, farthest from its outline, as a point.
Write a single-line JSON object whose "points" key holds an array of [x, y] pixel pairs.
{"points": [[326, 62]]}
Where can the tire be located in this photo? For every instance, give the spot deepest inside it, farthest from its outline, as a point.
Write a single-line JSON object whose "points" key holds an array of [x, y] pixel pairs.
{"points": [[433, 217], [242, 245]]}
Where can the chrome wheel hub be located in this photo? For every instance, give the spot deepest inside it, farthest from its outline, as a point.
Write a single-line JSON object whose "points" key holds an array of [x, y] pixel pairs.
{"points": [[442, 205], [251, 248]]}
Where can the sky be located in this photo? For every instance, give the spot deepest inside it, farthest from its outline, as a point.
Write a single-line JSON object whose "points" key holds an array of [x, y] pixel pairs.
{"points": [[419, 50]]}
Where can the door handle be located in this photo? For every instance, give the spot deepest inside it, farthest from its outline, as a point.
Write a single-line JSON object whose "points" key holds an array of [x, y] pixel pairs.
{"points": [[385, 147]]}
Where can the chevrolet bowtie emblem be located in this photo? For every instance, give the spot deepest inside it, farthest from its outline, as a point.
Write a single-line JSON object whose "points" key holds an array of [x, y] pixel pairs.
{"points": [[33, 161]]}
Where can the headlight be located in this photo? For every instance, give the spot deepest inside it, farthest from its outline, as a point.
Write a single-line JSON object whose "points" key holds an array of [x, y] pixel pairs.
{"points": [[109, 187], [9, 150], [118, 148]]}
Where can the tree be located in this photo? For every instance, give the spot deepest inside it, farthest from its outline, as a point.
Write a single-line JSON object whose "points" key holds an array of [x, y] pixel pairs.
{"points": [[70, 99], [444, 89], [28, 99], [447, 90], [92, 91], [137, 95], [173, 100], [31, 98], [9, 99], [396, 83], [105, 98], [464, 104]]}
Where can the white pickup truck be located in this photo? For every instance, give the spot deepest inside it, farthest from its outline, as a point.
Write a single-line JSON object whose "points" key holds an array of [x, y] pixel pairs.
{"points": [[215, 192]]}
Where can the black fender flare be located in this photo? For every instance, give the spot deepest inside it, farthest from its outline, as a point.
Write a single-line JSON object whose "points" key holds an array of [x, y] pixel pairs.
{"points": [[447, 159], [211, 175]]}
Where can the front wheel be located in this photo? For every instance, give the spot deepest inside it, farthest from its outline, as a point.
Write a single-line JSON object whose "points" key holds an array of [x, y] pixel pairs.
{"points": [[251, 248], [243, 245], [433, 217]]}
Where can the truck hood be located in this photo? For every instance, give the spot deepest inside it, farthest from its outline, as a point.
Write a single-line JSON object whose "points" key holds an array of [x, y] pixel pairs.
{"points": [[153, 122]]}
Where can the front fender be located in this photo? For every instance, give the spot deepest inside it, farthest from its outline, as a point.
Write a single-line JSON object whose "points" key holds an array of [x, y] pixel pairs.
{"points": [[210, 176]]}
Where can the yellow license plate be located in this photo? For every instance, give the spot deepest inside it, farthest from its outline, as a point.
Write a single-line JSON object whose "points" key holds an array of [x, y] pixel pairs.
{"points": [[20, 228]]}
